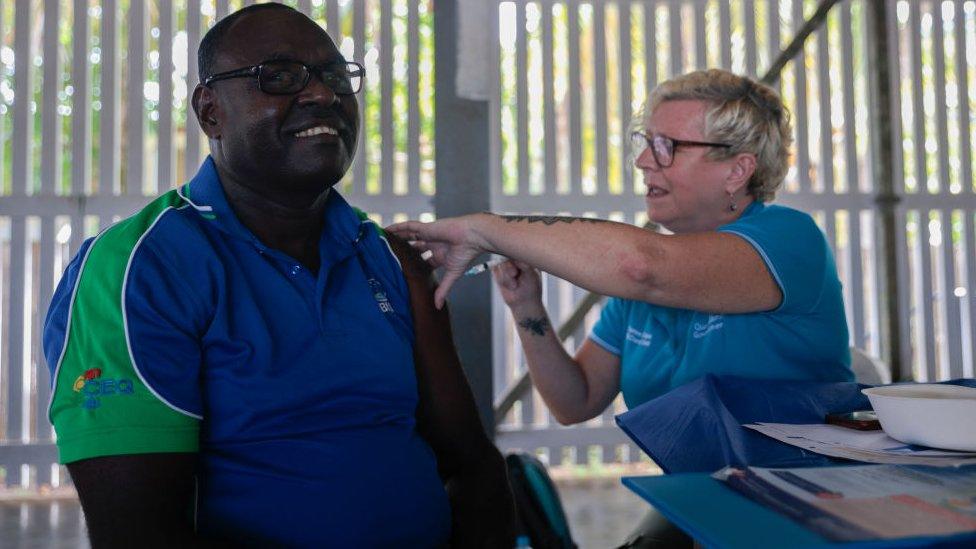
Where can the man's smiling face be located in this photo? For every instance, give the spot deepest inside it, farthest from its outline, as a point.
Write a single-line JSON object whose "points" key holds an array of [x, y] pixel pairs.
{"points": [[284, 147]]}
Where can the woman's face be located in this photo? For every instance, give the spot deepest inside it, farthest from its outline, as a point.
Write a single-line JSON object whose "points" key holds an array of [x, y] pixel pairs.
{"points": [[692, 194]]}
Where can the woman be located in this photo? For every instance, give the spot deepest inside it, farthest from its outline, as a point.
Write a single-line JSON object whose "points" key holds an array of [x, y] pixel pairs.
{"points": [[740, 287]]}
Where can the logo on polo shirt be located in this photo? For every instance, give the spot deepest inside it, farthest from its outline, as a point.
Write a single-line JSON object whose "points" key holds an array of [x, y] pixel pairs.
{"points": [[639, 337], [92, 386], [380, 296], [714, 322]]}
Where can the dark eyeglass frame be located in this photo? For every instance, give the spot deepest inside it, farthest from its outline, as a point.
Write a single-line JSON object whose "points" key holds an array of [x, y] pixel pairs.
{"points": [[670, 143], [353, 69]]}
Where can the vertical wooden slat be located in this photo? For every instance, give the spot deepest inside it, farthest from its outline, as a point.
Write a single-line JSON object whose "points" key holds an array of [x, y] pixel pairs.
{"points": [[386, 97], [45, 290], [773, 39], [969, 230], [499, 313], [939, 83], [16, 332], [951, 352], [625, 107], [81, 120], [830, 228], [164, 132], [21, 171], [847, 80], [650, 46], [50, 118], [800, 110], [918, 318], [334, 25], [193, 35], [305, 6], [918, 111], [360, 164], [135, 122], [674, 36], [522, 99], [725, 28], [928, 310], [573, 105], [551, 180], [856, 282], [413, 99], [600, 95], [701, 38], [749, 30], [21, 163], [528, 409], [962, 92], [109, 125], [495, 145], [951, 321], [826, 162], [926, 338], [903, 350], [223, 9]]}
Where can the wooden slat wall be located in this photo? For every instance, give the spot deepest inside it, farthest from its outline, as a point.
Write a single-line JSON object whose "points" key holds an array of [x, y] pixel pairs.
{"points": [[584, 135]]}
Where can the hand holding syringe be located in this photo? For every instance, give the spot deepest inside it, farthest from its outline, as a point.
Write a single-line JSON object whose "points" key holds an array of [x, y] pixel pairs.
{"points": [[485, 266]]}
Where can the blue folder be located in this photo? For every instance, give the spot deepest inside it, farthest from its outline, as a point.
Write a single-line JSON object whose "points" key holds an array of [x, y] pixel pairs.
{"points": [[719, 517], [698, 427]]}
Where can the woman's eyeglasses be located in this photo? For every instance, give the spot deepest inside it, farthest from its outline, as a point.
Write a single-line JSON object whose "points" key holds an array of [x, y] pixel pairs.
{"points": [[663, 147]]}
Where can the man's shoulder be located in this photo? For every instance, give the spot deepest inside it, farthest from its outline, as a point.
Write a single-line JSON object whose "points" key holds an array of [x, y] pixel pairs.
{"points": [[168, 225]]}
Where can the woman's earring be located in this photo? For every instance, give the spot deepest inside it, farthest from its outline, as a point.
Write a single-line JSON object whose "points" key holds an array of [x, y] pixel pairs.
{"points": [[732, 205]]}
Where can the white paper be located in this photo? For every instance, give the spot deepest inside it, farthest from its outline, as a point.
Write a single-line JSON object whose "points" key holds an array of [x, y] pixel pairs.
{"points": [[866, 446]]}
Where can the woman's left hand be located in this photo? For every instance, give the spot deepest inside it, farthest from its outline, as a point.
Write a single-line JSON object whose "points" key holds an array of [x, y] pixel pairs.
{"points": [[452, 242]]}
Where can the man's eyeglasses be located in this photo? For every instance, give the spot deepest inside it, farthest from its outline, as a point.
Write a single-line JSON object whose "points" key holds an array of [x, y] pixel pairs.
{"points": [[283, 77], [663, 147]]}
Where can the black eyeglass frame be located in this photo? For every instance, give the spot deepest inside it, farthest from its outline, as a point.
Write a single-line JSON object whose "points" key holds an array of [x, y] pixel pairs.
{"points": [[255, 71], [675, 143]]}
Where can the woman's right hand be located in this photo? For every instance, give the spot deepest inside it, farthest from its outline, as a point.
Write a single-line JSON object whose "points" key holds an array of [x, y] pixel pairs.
{"points": [[519, 284]]}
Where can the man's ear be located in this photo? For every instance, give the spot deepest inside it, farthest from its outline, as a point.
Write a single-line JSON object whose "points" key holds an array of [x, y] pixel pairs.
{"points": [[743, 166], [205, 107]]}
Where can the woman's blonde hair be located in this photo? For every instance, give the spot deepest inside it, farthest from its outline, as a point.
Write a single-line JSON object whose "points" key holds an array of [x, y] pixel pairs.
{"points": [[743, 113]]}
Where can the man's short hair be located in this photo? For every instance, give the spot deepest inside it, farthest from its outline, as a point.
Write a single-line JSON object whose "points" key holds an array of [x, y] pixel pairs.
{"points": [[207, 53]]}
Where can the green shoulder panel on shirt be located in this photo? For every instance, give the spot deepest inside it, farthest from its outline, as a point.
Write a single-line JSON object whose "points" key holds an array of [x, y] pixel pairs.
{"points": [[101, 406], [363, 217]]}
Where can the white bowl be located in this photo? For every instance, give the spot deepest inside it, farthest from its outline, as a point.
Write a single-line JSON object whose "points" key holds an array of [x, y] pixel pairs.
{"points": [[940, 416]]}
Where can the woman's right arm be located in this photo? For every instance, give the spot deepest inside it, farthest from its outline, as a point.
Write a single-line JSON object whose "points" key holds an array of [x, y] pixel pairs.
{"points": [[574, 388]]}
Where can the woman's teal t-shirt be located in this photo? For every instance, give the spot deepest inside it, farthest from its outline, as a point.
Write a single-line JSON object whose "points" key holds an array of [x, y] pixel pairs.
{"points": [[805, 338]]}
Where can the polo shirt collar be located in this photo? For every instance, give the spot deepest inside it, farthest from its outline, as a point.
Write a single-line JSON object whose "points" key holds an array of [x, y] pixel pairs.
{"points": [[205, 194]]}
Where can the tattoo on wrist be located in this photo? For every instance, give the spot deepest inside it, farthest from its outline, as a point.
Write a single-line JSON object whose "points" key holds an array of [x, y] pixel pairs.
{"points": [[550, 219], [537, 326]]}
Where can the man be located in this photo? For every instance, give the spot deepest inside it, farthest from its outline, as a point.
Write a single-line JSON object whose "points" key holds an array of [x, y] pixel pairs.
{"points": [[245, 360]]}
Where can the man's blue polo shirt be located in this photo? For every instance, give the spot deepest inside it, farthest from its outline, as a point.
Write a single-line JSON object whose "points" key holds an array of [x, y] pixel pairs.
{"points": [[177, 330], [805, 338]]}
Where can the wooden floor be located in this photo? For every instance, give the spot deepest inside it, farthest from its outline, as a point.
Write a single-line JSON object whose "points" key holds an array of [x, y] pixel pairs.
{"points": [[42, 525], [601, 512]]}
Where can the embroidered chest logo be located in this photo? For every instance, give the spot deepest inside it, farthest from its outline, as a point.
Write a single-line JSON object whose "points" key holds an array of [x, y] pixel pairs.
{"points": [[638, 337], [92, 386], [714, 322], [380, 296]]}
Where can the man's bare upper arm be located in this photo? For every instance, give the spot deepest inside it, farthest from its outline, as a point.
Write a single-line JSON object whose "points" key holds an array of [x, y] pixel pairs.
{"points": [[137, 500]]}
